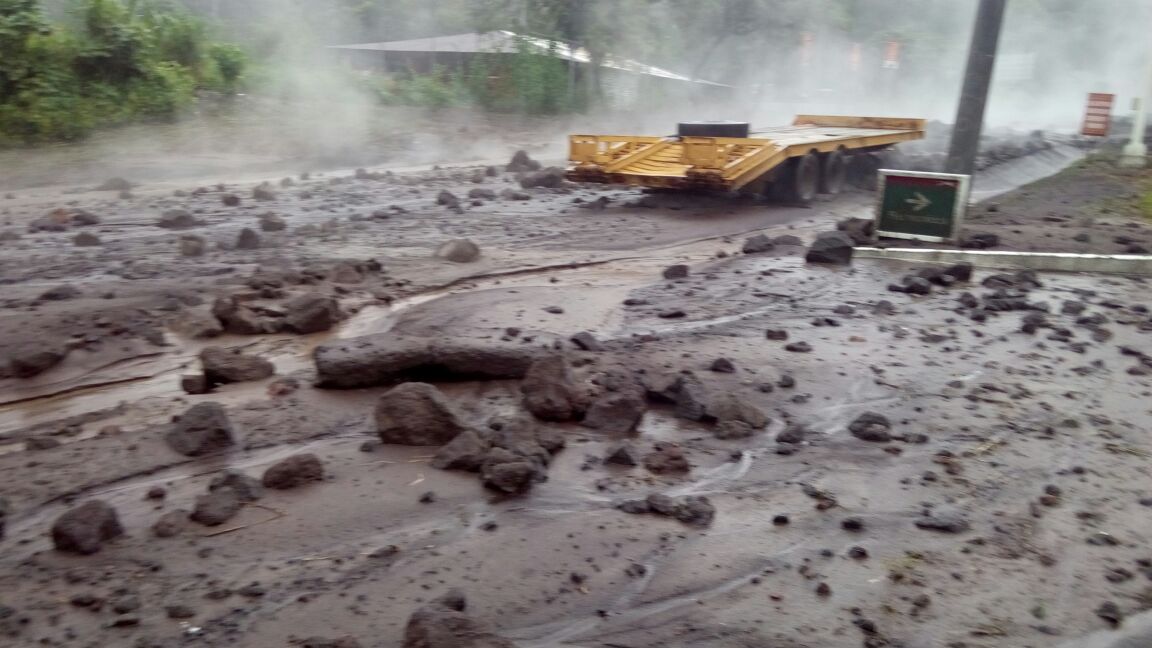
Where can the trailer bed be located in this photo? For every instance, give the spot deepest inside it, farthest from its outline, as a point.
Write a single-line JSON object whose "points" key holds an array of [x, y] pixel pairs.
{"points": [[729, 163]]}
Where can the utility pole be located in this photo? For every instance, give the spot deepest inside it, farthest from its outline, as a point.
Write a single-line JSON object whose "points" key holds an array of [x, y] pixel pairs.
{"points": [[1135, 152], [977, 79]]}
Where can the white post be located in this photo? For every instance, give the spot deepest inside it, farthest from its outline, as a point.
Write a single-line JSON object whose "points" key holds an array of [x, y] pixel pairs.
{"points": [[1135, 153]]}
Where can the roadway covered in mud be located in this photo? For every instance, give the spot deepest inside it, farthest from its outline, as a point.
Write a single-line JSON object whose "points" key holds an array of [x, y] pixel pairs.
{"points": [[642, 431]]}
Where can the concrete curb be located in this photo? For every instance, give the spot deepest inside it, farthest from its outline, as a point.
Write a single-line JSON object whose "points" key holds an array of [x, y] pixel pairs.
{"points": [[1130, 264]]}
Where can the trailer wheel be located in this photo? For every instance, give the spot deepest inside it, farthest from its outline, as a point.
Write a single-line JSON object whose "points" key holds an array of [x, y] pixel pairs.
{"points": [[862, 170], [833, 171], [801, 180]]}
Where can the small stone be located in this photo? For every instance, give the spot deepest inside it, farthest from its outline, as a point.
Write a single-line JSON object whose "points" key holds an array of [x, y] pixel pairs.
{"points": [[722, 365], [798, 347], [216, 507], [778, 335], [781, 520], [679, 271], [248, 239], [179, 612], [852, 524], [944, 521], [294, 471], [823, 589], [84, 529], [858, 553]]}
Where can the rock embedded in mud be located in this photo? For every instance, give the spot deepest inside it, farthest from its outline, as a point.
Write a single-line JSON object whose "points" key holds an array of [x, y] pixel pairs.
{"points": [[622, 455], [5, 509], [615, 412], [247, 239], [666, 458], [311, 313], [587, 342], [264, 191], [776, 335], [178, 219], [447, 198], [416, 414], [679, 271], [465, 452], [521, 163], [324, 642], [195, 384], [442, 624], [386, 358], [944, 521], [550, 178], [788, 240], [235, 317], [794, 433], [223, 366], [734, 430], [862, 231], [798, 347], [550, 392], [871, 426], [192, 245], [34, 358], [692, 510], [270, 222], [86, 239], [62, 292], [84, 529], [294, 471], [247, 488], [758, 244], [41, 443], [59, 220], [203, 429], [230, 200], [458, 251], [216, 507], [512, 477], [835, 248], [980, 241], [722, 365]]}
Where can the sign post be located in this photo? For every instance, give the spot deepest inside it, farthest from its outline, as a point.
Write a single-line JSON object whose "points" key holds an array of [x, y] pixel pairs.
{"points": [[921, 206]]}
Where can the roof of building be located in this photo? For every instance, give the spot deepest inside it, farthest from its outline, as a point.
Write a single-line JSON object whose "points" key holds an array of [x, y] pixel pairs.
{"points": [[506, 42]]}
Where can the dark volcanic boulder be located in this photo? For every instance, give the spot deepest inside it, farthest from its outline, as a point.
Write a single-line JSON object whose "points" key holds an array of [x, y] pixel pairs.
{"points": [[387, 358], [550, 393], [216, 507], [222, 366], [616, 412], [84, 529], [311, 313], [235, 317], [178, 219], [758, 244], [871, 426], [465, 452], [509, 474], [5, 508], [551, 178], [35, 358], [247, 489], [416, 414], [458, 251], [521, 163], [443, 624], [861, 230], [832, 248], [203, 429], [294, 471]]}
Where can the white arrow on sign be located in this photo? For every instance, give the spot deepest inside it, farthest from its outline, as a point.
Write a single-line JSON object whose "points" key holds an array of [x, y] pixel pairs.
{"points": [[920, 202]]}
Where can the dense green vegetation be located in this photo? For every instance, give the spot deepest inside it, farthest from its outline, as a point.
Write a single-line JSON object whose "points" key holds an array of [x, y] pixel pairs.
{"points": [[108, 62]]}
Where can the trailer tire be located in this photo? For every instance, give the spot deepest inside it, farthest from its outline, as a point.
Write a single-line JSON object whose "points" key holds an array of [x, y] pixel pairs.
{"points": [[833, 171], [713, 129], [801, 180], [863, 169]]}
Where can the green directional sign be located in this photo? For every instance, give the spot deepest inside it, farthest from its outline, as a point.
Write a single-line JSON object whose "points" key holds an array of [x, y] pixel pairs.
{"points": [[921, 206]]}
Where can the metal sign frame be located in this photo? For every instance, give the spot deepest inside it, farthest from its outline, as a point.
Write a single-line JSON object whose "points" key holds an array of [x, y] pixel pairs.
{"points": [[959, 210]]}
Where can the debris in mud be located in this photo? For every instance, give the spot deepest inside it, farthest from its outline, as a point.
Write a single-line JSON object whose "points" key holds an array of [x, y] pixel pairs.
{"points": [[624, 454], [550, 178], [263, 191], [615, 412], [464, 452], [203, 429], [458, 251], [294, 471], [980, 241], [230, 200], [84, 529], [223, 366], [693, 510], [758, 244], [247, 239], [34, 358], [416, 414], [216, 507], [862, 231], [5, 508], [871, 426], [247, 488], [235, 317], [442, 624], [666, 458], [722, 365], [512, 194], [388, 358], [192, 245], [679, 271], [798, 347], [270, 222], [86, 239], [587, 342], [944, 521], [61, 293], [1110, 613], [170, 524], [834, 248], [60, 220], [311, 313], [521, 163], [550, 392], [447, 199], [509, 473], [178, 219]]}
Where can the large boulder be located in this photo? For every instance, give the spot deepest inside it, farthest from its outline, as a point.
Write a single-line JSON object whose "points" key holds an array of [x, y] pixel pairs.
{"points": [[294, 471], [465, 452], [178, 219], [443, 624], [203, 429], [387, 358], [83, 530], [871, 426], [696, 401], [550, 392], [235, 317], [458, 251], [616, 412], [216, 507], [861, 230], [416, 414], [552, 177], [834, 248], [521, 163], [247, 489], [311, 313], [758, 244], [222, 366], [509, 473], [35, 358]]}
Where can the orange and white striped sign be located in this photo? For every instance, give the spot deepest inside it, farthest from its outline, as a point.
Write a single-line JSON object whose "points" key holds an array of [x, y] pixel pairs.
{"points": [[1098, 117], [892, 55]]}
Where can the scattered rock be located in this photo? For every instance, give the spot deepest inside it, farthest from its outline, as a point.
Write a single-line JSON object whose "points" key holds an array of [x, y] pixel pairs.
{"points": [[230, 200], [464, 452], [247, 239], [388, 358], [447, 198], [871, 426], [442, 624], [247, 489], [86, 239], [666, 458], [831, 248], [733, 430], [416, 414], [787, 240], [586, 341], [34, 358], [778, 335], [480, 193], [41, 443], [692, 510], [170, 524], [508, 473], [862, 231], [192, 245], [798, 347], [679, 271], [550, 392], [980, 241], [458, 251], [114, 184], [521, 163], [223, 366], [311, 313], [5, 509], [722, 365], [272, 223], [203, 429], [84, 529], [61, 293], [216, 507], [178, 219], [294, 471], [758, 244], [551, 178], [944, 521], [264, 191], [623, 455], [615, 412]]}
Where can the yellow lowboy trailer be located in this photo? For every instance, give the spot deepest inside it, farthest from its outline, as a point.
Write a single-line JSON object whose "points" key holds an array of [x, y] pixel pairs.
{"points": [[816, 154]]}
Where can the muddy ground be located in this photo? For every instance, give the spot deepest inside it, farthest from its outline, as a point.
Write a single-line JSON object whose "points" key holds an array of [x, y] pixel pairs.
{"points": [[1002, 505]]}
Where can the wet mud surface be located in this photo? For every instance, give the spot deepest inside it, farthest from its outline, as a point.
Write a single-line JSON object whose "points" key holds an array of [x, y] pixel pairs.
{"points": [[1003, 503]]}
